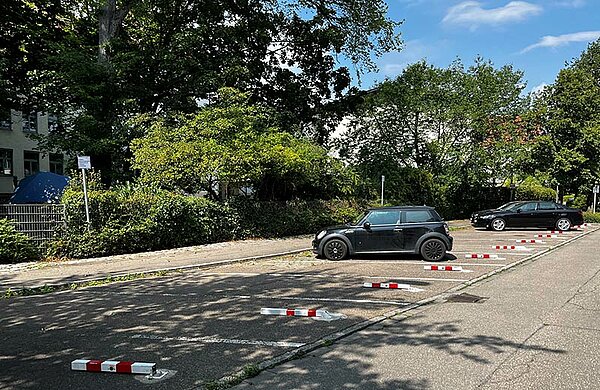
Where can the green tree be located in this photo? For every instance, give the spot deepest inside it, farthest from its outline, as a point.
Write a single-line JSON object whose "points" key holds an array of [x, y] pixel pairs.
{"points": [[570, 150], [461, 125], [233, 143], [116, 59]]}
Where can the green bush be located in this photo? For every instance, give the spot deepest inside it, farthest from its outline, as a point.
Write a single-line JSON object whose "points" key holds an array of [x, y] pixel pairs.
{"points": [[590, 217], [14, 246], [532, 189], [280, 219], [136, 220]]}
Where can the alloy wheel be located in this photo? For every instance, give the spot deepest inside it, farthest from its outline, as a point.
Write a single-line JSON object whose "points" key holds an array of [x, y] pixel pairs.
{"points": [[335, 250]]}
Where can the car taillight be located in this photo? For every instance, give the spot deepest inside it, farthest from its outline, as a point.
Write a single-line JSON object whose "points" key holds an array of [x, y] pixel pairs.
{"points": [[446, 228]]}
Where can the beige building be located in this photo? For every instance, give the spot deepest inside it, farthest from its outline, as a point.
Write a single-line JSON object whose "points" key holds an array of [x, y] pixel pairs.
{"points": [[19, 153]]}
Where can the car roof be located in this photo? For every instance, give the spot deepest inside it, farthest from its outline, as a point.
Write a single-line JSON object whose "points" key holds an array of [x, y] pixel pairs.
{"points": [[403, 208]]}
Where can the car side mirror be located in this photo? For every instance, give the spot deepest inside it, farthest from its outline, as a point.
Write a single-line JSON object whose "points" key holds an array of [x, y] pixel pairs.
{"points": [[367, 226], [519, 210]]}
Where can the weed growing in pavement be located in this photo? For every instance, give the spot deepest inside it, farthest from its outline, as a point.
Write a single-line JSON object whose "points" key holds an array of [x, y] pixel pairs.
{"points": [[74, 286], [249, 371]]}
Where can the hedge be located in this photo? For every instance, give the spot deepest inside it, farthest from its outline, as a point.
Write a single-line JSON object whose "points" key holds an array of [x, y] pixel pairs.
{"points": [[129, 221], [14, 246], [590, 217]]}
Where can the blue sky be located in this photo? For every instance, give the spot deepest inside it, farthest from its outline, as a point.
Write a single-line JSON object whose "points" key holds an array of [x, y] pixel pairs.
{"points": [[535, 36]]}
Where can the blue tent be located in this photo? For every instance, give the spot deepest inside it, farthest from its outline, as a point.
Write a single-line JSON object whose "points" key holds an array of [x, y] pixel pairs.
{"points": [[42, 187]]}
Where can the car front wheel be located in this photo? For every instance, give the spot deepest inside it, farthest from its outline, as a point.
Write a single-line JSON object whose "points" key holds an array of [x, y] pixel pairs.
{"points": [[563, 224], [335, 249], [433, 250], [498, 224]]}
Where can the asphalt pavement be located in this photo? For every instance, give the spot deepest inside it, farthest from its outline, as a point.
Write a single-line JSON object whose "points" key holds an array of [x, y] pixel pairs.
{"points": [[536, 327], [204, 323]]}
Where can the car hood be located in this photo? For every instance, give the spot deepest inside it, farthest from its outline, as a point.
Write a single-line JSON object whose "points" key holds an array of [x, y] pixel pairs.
{"points": [[336, 227], [481, 213]]}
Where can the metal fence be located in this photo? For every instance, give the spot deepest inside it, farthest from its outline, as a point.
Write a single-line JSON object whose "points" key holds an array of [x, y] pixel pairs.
{"points": [[40, 222]]}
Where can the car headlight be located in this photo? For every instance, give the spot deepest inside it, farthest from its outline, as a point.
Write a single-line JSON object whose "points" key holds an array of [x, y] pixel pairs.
{"points": [[487, 217], [321, 234]]}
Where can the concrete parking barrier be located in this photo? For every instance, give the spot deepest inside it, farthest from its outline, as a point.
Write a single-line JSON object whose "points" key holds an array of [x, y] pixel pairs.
{"points": [[114, 366], [546, 236], [388, 285], [314, 313], [442, 268], [530, 241], [510, 247], [481, 256]]}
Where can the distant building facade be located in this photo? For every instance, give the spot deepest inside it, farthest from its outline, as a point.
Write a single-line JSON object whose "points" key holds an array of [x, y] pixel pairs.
{"points": [[19, 154]]}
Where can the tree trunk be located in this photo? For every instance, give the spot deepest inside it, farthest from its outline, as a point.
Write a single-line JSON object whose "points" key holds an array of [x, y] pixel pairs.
{"points": [[109, 25]]}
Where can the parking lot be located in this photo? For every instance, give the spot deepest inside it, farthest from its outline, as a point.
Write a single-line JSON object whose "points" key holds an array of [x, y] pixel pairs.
{"points": [[202, 325]]}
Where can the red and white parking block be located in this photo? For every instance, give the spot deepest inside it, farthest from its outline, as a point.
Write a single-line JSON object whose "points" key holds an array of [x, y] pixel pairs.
{"points": [[509, 247], [320, 315], [387, 285], [546, 236], [585, 225], [530, 241], [113, 366], [481, 256], [293, 312], [443, 268], [556, 232]]}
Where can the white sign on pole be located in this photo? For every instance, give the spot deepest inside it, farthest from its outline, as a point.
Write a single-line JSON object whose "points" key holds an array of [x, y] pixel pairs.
{"points": [[596, 189], [84, 162]]}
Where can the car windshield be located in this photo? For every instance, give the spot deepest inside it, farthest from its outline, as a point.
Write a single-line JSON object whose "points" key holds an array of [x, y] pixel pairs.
{"points": [[509, 206], [360, 218]]}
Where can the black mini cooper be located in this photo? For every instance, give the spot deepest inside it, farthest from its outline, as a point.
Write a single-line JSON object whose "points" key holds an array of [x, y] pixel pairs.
{"points": [[402, 229]]}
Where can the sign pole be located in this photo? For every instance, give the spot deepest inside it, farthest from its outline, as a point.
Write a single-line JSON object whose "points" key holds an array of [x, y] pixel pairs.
{"points": [[83, 163], [382, 181], [85, 199], [596, 190]]}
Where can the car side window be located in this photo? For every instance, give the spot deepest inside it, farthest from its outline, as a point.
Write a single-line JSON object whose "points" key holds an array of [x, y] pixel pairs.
{"points": [[546, 206], [416, 216], [384, 217], [528, 207]]}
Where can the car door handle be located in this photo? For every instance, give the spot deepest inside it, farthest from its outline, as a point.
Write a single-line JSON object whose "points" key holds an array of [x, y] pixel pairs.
{"points": [[398, 230]]}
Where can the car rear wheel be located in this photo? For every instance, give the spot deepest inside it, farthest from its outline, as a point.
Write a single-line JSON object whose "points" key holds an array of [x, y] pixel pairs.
{"points": [[335, 249], [433, 249], [563, 224], [498, 224]]}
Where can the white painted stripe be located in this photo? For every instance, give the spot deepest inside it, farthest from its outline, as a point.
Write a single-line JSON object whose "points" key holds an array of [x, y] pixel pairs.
{"points": [[504, 253], [217, 340], [318, 299], [325, 276]]}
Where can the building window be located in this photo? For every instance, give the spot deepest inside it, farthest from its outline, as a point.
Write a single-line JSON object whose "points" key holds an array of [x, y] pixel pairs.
{"points": [[52, 123], [30, 123], [5, 120], [56, 163], [31, 162], [6, 161]]}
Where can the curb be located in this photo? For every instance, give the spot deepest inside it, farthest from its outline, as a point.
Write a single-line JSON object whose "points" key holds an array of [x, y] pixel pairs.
{"points": [[157, 270], [240, 376]]}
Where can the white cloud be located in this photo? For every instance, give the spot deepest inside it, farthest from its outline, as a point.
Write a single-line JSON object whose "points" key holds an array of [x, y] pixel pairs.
{"points": [[538, 89], [562, 40], [570, 3], [472, 14], [392, 64]]}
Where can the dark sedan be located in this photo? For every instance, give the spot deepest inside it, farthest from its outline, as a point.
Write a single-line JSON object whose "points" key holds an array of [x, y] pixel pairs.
{"points": [[541, 214]]}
